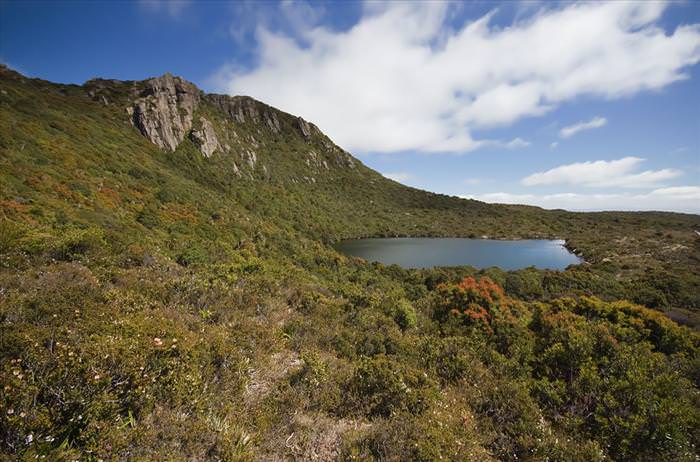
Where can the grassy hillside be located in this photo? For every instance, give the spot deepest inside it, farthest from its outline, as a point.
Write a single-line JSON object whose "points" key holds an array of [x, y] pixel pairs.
{"points": [[171, 305]]}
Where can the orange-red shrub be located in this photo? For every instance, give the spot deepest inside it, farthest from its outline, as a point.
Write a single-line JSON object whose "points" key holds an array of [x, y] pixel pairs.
{"points": [[472, 300]]}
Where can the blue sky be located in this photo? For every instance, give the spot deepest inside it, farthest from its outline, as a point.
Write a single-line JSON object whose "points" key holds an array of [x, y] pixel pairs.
{"points": [[585, 106]]}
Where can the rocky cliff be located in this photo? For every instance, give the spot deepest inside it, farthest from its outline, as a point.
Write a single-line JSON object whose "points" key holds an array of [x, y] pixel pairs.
{"points": [[247, 138], [168, 110], [164, 110]]}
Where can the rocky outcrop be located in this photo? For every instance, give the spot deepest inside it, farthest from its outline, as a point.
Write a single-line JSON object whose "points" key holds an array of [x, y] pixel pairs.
{"points": [[314, 160], [239, 108], [272, 122], [205, 138], [305, 128], [164, 110], [243, 109], [250, 157]]}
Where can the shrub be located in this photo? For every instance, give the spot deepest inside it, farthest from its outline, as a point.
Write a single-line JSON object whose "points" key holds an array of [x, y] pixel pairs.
{"points": [[148, 217], [383, 387], [598, 374], [75, 243], [405, 315], [10, 233], [472, 301], [449, 358]]}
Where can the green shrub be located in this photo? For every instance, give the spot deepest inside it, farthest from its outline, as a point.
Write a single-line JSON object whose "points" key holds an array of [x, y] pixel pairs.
{"points": [[10, 234], [75, 243], [384, 387], [148, 217], [405, 315], [449, 358]]}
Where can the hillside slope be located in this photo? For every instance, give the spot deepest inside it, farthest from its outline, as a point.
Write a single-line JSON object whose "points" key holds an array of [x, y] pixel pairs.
{"points": [[167, 291], [133, 154]]}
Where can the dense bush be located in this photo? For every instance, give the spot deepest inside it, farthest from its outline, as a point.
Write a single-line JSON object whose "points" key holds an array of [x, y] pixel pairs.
{"points": [[602, 374], [164, 306], [404, 314], [384, 387]]}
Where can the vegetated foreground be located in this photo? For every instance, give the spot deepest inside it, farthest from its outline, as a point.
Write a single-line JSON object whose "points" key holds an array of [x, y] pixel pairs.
{"points": [[168, 292]]}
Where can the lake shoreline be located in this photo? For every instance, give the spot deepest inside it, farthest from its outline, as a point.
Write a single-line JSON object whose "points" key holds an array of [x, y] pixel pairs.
{"points": [[429, 252], [566, 242]]}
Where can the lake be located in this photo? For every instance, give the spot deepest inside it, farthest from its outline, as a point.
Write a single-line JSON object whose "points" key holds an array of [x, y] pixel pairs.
{"points": [[426, 252]]}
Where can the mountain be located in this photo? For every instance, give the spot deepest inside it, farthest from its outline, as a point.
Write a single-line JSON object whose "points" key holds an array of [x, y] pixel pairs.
{"points": [[168, 291]]}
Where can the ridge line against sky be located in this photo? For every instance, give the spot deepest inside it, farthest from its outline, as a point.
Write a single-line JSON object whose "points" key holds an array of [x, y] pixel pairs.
{"points": [[541, 96]]}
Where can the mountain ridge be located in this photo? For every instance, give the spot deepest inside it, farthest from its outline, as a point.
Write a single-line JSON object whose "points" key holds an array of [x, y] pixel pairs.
{"points": [[240, 137], [163, 297], [163, 107], [234, 107]]}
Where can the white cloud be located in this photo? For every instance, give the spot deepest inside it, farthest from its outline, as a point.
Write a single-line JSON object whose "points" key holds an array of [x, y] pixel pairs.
{"points": [[602, 173], [515, 143], [300, 15], [404, 79], [293, 17], [678, 199], [571, 130], [401, 177], [554, 145], [473, 181]]}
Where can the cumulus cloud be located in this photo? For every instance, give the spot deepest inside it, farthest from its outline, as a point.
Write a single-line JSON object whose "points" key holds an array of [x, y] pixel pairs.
{"points": [[602, 173], [678, 199], [291, 16], [405, 77], [571, 130]]}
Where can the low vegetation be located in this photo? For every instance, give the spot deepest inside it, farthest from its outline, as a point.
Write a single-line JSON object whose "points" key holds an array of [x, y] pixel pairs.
{"points": [[156, 306]]}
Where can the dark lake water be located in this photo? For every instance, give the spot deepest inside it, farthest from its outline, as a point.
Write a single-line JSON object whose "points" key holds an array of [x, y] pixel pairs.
{"points": [[480, 253]]}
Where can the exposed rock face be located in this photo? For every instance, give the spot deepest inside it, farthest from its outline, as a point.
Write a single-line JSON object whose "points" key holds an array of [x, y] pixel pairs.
{"points": [[243, 108], [314, 160], [305, 127], [250, 157], [205, 138], [163, 112], [163, 109], [236, 170], [238, 108], [272, 122]]}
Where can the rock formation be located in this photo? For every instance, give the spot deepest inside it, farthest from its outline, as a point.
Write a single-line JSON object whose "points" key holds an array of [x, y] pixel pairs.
{"points": [[238, 108], [272, 122], [244, 108], [305, 127], [205, 138], [164, 110], [250, 157]]}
